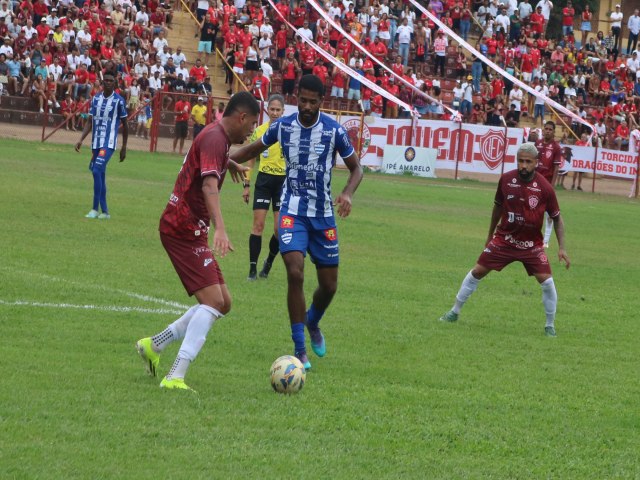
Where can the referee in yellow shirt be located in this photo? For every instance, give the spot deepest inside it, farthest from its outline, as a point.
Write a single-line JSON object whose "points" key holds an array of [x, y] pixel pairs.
{"points": [[269, 181], [199, 116]]}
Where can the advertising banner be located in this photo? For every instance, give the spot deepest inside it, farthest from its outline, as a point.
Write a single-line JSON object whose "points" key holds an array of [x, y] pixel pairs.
{"points": [[418, 161]]}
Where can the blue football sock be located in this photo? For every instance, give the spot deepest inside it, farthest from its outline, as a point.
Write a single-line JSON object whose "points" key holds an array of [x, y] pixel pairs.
{"points": [[297, 335], [313, 316]]}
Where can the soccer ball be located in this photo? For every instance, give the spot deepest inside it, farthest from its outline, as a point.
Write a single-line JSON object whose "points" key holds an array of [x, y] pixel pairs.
{"points": [[287, 375]]}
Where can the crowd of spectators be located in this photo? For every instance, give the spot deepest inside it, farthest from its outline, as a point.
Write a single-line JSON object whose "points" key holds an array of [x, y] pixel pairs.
{"points": [[55, 51]]}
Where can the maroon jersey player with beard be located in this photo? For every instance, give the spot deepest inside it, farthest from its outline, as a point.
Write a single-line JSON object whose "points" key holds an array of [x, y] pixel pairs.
{"points": [[522, 199], [184, 228]]}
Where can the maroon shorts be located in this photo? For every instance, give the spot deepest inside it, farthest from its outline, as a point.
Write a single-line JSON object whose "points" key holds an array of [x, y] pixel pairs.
{"points": [[193, 261], [497, 256]]}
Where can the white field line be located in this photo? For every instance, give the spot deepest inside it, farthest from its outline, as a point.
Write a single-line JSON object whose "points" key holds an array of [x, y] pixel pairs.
{"points": [[138, 296], [106, 308]]}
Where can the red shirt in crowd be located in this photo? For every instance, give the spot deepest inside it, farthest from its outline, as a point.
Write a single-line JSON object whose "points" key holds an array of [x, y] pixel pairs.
{"points": [[183, 110]]}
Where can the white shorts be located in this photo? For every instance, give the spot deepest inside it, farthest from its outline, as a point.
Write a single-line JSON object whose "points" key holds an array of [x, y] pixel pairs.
{"points": [[353, 94], [526, 77], [384, 35], [239, 70]]}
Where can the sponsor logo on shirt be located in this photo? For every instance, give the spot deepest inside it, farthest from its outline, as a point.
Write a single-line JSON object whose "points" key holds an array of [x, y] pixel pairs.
{"points": [[518, 243], [207, 261]]}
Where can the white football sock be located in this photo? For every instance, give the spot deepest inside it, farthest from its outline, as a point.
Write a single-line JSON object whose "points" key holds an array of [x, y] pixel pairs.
{"points": [[179, 368], [173, 332], [549, 300], [197, 330], [548, 228], [469, 285], [194, 338]]}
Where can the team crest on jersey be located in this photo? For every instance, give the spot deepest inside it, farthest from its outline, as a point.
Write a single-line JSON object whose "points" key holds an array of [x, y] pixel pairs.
{"points": [[318, 148], [286, 238], [533, 202], [286, 222], [331, 234]]}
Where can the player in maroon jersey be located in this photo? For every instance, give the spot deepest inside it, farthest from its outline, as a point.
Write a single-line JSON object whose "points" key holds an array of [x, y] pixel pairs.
{"points": [[522, 198], [184, 228], [549, 160]]}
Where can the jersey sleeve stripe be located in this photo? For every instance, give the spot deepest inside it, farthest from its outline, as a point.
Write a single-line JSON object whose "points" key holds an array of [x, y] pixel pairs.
{"points": [[206, 173]]}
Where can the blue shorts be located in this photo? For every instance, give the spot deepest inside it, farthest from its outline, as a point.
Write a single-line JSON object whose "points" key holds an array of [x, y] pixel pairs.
{"points": [[99, 159], [318, 236], [204, 47]]}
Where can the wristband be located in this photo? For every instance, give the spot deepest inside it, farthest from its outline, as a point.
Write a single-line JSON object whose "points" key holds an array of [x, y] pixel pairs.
{"points": [[246, 184]]}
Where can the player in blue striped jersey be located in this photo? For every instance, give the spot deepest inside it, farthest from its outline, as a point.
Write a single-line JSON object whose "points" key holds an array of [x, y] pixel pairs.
{"points": [[310, 141], [108, 111]]}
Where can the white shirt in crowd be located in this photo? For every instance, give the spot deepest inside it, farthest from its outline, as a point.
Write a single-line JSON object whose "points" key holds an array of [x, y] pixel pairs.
{"points": [[141, 68], [264, 45], [267, 70], [157, 68], [29, 32], [404, 34], [155, 83], [333, 11], [504, 22], [83, 38], [305, 32], [6, 50], [544, 91], [525, 9], [144, 17], [160, 43], [266, 28], [179, 57], [616, 19], [634, 24], [68, 36], [458, 92], [55, 70], [515, 98], [468, 91], [547, 6]]}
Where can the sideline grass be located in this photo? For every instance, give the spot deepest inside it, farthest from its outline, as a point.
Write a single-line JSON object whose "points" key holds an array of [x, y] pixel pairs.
{"points": [[399, 395]]}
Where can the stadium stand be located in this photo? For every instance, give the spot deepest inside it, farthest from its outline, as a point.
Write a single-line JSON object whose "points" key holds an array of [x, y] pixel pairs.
{"points": [[53, 52]]}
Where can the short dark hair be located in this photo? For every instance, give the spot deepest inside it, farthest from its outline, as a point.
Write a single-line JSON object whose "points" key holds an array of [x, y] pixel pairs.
{"points": [[242, 101], [549, 122], [311, 83]]}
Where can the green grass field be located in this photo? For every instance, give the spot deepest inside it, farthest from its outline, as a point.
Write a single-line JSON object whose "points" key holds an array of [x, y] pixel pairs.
{"points": [[399, 395]]}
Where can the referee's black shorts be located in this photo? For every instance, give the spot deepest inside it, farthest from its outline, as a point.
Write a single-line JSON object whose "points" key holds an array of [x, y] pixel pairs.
{"points": [[267, 192]]}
